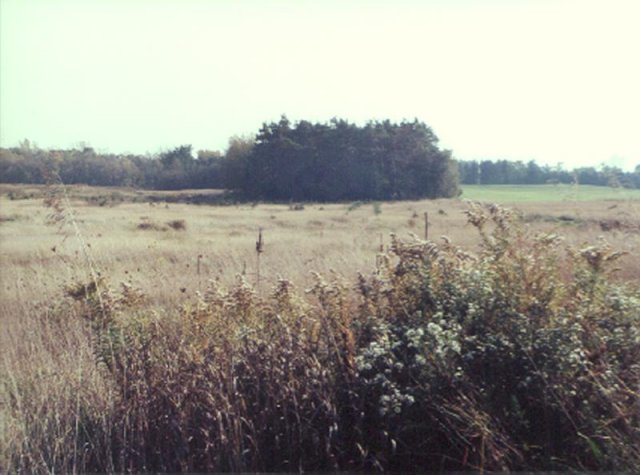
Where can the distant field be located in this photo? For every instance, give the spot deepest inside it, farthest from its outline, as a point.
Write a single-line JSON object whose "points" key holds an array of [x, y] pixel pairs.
{"points": [[512, 194], [546, 193]]}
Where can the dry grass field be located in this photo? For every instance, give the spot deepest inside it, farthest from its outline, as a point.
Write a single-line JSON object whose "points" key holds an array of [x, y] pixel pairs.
{"points": [[171, 250], [135, 241]]}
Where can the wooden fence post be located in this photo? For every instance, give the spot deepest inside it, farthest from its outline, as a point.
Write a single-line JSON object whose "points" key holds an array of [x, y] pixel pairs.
{"points": [[259, 250], [426, 225]]}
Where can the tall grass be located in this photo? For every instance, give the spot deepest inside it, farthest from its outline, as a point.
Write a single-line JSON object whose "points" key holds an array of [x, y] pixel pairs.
{"points": [[521, 356]]}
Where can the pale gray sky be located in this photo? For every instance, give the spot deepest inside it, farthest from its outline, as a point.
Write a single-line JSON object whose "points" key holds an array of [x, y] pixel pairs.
{"points": [[550, 80]]}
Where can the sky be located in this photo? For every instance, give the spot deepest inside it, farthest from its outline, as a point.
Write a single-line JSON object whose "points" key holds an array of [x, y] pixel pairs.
{"points": [[556, 81]]}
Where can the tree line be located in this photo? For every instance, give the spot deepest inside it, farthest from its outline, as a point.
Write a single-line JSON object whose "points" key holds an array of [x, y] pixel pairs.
{"points": [[505, 172], [301, 161], [174, 169]]}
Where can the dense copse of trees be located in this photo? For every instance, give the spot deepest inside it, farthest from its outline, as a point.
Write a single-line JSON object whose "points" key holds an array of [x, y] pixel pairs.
{"points": [[505, 172], [341, 161], [303, 161]]}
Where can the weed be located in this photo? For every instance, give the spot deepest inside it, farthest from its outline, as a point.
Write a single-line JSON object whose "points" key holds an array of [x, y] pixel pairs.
{"points": [[354, 206], [177, 224], [148, 225]]}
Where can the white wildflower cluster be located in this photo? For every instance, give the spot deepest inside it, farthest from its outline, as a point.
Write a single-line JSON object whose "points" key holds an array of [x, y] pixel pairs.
{"points": [[444, 337], [376, 355], [473, 310], [393, 403], [389, 364], [415, 338], [618, 300], [382, 361], [576, 357]]}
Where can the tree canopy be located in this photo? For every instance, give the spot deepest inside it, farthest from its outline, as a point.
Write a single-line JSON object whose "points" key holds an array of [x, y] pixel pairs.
{"points": [[341, 161]]}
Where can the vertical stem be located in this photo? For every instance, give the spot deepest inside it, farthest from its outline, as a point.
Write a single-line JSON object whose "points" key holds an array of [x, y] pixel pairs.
{"points": [[199, 282], [258, 271], [77, 425], [426, 225], [259, 249]]}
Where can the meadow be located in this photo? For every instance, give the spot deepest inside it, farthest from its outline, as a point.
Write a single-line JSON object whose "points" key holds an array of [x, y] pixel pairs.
{"points": [[547, 193], [131, 239], [165, 255]]}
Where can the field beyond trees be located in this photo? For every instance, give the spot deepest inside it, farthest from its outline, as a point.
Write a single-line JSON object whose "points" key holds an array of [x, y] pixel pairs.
{"points": [[143, 332], [567, 194]]}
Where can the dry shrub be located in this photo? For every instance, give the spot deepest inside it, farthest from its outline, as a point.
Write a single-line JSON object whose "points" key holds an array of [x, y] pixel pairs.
{"points": [[231, 383], [9, 218], [521, 357], [177, 224], [612, 224], [498, 361], [147, 225]]}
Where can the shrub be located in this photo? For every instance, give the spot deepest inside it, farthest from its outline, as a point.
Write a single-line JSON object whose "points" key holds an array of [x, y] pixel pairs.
{"points": [[354, 206], [150, 226], [497, 360], [178, 224]]}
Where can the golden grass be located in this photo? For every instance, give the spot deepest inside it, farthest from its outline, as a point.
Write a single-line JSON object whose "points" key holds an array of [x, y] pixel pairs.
{"points": [[38, 259]]}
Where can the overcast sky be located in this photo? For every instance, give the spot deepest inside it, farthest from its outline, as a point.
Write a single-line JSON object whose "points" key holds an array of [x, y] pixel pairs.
{"points": [[549, 80]]}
